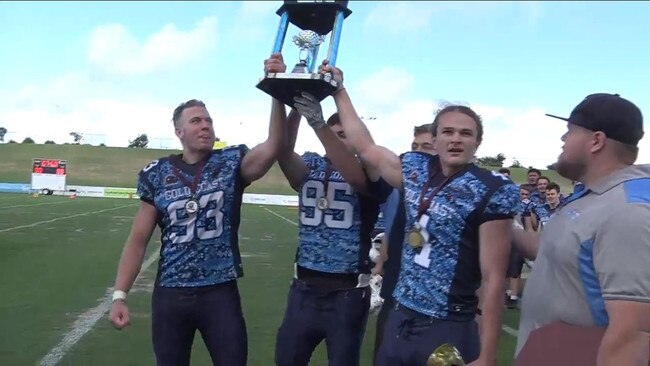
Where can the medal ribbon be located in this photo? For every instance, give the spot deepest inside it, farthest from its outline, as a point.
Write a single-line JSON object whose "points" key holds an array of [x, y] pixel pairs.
{"points": [[198, 172], [326, 178], [425, 201]]}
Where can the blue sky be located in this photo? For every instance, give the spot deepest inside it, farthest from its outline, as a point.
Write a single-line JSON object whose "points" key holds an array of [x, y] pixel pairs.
{"points": [[112, 70]]}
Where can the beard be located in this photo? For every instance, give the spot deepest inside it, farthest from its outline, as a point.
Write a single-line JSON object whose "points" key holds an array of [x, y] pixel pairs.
{"points": [[573, 170]]}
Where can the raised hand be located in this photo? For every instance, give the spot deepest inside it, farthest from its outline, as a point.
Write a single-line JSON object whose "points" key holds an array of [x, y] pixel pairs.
{"points": [[337, 74], [309, 107], [275, 64]]}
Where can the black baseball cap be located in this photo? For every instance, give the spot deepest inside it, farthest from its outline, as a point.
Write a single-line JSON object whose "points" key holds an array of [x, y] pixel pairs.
{"points": [[617, 117]]}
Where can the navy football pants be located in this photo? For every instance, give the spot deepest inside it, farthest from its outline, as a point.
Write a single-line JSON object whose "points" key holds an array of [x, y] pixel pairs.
{"points": [[409, 338], [215, 311], [338, 316]]}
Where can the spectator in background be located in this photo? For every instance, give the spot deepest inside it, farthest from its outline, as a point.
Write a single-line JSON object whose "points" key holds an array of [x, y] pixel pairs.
{"points": [[532, 177], [537, 198], [505, 171], [541, 213], [423, 139], [524, 194]]}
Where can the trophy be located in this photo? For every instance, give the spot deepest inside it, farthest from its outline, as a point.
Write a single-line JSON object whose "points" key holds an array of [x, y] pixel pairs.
{"points": [[445, 355], [315, 19]]}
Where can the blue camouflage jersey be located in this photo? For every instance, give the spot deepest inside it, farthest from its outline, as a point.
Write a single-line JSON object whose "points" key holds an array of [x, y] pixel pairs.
{"points": [[543, 213], [441, 278], [535, 198], [197, 249], [523, 212], [337, 239]]}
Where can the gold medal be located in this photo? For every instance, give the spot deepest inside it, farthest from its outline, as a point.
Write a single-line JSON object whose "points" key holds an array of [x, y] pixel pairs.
{"points": [[415, 239]]}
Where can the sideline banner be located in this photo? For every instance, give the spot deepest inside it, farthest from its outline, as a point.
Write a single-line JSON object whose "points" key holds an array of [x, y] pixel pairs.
{"points": [[130, 193]]}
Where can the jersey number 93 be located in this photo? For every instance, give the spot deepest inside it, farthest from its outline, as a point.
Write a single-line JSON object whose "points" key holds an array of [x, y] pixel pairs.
{"points": [[184, 225]]}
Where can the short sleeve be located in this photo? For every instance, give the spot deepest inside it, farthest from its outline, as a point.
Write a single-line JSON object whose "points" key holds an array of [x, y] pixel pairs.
{"points": [[312, 160], [145, 188], [236, 152], [417, 167], [235, 155], [502, 204], [621, 254], [243, 150]]}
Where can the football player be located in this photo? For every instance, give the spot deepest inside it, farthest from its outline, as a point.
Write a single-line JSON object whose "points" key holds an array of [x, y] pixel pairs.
{"points": [[195, 199], [458, 224], [329, 297]]}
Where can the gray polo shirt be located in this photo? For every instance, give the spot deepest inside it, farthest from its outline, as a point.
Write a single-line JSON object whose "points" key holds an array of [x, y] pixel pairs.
{"points": [[595, 248]]}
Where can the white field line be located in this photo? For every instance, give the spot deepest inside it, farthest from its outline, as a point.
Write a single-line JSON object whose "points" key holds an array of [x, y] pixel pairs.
{"points": [[86, 321], [510, 331], [282, 217], [507, 329], [37, 204], [64, 218]]}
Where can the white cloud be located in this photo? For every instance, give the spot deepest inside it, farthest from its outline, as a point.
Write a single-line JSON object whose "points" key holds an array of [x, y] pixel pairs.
{"points": [[404, 16], [521, 133], [247, 25], [101, 120], [385, 86], [525, 134], [397, 16], [115, 49], [103, 110]]}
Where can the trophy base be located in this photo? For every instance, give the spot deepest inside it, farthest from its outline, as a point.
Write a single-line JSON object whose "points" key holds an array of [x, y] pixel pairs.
{"points": [[285, 86]]}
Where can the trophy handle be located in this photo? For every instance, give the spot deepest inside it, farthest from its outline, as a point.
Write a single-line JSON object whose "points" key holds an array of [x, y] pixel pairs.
{"points": [[282, 32], [335, 38]]}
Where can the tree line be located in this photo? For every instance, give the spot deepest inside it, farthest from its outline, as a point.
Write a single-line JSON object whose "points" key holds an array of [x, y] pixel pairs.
{"points": [[498, 160], [140, 141]]}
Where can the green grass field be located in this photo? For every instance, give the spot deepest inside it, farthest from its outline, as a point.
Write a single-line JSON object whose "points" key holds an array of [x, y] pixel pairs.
{"points": [[58, 259], [118, 167]]}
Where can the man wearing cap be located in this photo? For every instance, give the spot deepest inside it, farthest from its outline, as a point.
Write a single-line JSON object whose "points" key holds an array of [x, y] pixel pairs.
{"points": [[592, 263]]}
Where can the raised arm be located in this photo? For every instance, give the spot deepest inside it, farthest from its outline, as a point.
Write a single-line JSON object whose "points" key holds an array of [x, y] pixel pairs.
{"points": [[378, 160], [292, 165], [260, 159], [344, 160]]}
